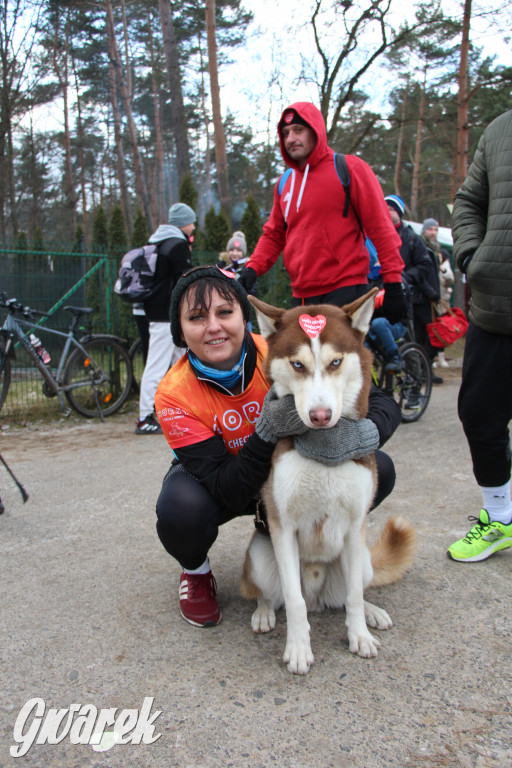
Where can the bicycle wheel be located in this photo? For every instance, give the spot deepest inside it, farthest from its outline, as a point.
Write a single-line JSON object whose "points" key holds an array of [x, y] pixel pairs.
{"points": [[137, 360], [99, 380], [5, 372], [412, 386]]}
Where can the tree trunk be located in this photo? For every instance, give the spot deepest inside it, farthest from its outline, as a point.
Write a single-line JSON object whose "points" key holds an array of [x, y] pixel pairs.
{"points": [[206, 180], [162, 203], [417, 152], [62, 73], [400, 143], [178, 117], [140, 182], [81, 158], [218, 128], [462, 107], [118, 140], [10, 179]]}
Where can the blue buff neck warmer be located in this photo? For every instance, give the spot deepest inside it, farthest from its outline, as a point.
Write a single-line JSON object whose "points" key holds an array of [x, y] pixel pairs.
{"points": [[226, 379]]}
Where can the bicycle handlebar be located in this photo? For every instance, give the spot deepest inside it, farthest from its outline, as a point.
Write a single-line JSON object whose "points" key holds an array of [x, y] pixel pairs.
{"points": [[13, 305]]}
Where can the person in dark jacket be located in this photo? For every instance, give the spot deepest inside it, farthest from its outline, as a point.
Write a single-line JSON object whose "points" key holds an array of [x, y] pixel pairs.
{"points": [[213, 409], [173, 260], [482, 238], [422, 274]]}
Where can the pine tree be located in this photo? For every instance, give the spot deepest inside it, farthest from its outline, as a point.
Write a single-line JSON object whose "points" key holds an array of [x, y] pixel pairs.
{"points": [[93, 292], [117, 246], [140, 234], [78, 240], [222, 230], [117, 237], [37, 240], [21, 242], [99, 230], [216, 230], [210, 221], [251, 223], [188, 192]]}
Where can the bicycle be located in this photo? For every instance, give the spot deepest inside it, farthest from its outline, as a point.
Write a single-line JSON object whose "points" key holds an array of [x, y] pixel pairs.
{"points": [[411, 385], [137, 362], [94, 371]]}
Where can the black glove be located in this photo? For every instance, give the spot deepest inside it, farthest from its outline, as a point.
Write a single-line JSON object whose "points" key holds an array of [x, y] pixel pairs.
{"points": [[393, 307], [278, 418], [464, 261], [247, 278]]}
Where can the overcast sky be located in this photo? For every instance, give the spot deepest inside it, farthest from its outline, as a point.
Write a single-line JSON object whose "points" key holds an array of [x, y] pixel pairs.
{"points": [[262, 81]]}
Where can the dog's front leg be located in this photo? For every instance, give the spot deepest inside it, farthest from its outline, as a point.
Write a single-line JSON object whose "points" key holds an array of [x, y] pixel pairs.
{"points": [[297, 655], [360, 640]]}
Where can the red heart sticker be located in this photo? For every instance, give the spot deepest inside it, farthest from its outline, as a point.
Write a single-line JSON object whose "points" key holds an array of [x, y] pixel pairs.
{"points": [[312, 325]]}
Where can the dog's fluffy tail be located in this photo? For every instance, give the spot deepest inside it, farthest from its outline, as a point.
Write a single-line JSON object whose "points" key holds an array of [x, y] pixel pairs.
{"points": [[394, 552]]}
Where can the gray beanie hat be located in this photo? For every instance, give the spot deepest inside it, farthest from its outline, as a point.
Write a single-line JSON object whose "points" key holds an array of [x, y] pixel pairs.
{"points": [[427, 224], [237, 241], [186, 280], [180, 215]]}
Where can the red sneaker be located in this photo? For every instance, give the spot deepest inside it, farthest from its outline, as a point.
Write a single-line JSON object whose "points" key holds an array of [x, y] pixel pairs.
{"points": [[198, 602]]}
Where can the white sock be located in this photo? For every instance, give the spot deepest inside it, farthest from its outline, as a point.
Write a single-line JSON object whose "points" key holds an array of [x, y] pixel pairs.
{"points": [[497, 502], [204, 568]]}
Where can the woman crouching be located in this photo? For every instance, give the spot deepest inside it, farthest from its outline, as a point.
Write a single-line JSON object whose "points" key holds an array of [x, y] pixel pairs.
{"points": [[213, 410]]}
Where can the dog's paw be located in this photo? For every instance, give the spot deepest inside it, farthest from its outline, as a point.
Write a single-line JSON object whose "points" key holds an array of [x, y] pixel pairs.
{"points": [[263, 619], [298, 657], [364, 645], [376, 617]]}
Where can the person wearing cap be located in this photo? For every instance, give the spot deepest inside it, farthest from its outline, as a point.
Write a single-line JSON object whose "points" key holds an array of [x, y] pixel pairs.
{"points": [[235, 256], [237, 251], [173, 244], [323, 250], [222, 423], [421, 274], [429, 231]]}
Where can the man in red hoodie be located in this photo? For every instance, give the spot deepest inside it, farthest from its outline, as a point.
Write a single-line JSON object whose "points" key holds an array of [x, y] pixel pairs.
{"points": [[323, 250]]}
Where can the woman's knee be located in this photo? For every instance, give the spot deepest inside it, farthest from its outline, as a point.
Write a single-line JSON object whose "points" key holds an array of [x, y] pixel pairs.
{"points": [[386, 477]]}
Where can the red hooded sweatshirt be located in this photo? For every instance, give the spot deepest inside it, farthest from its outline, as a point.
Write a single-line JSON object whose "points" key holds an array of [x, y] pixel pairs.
{"points": [[322, 250]]}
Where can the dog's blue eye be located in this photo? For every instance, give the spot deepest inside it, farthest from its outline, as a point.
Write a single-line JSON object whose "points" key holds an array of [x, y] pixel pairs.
{"points": [[298, 366], [336, 363]]}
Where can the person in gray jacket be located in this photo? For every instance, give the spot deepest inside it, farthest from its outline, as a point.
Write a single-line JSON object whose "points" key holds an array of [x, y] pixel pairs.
{"points": [[482, 235]]}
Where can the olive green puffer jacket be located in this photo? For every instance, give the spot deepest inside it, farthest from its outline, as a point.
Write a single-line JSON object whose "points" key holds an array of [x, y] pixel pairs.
{"points": [[482, 228]]}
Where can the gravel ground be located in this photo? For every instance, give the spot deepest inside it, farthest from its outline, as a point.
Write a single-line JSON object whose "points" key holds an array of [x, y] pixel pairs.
{"points": [[90, 616]]}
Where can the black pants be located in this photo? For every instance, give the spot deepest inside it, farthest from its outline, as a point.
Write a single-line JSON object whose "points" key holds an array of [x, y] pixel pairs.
{"points": [[422, 315], [485, 404], [188, 519]]}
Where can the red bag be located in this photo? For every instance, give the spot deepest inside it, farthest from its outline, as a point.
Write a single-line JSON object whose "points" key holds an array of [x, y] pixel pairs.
{"points": [[447, 327]]}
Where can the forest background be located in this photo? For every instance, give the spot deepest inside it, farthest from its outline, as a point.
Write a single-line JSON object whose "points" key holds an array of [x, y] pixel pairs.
{"points": [[113, 110]]}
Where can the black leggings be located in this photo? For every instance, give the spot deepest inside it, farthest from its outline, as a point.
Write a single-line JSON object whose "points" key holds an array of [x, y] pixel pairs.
{"points": [[188, 518]]}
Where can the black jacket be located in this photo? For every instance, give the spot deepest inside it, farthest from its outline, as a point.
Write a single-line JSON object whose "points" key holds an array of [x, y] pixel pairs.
{"points": [[421, 267], [173, 260]]}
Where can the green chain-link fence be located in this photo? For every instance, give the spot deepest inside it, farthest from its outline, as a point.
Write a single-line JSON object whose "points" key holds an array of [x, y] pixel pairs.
{"points": [[48, 281]]}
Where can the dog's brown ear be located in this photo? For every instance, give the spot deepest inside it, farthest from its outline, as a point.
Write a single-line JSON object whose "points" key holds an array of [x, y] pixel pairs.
{"points": [[269, 317], [360, 311]]}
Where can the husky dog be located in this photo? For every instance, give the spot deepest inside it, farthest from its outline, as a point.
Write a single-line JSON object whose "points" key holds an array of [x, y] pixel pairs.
{"points": [[316, 556]]}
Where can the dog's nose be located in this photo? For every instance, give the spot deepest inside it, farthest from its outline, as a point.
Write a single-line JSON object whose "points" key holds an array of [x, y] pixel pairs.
{"points": [[320, 417]]}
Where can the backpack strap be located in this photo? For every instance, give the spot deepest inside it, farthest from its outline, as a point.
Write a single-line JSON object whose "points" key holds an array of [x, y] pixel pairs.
{"points": [[344, 176], [282, 181], [341, 167]]}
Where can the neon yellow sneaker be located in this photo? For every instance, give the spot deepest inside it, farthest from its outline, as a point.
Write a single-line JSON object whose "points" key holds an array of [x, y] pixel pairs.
{"points": [[483, 540]]}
